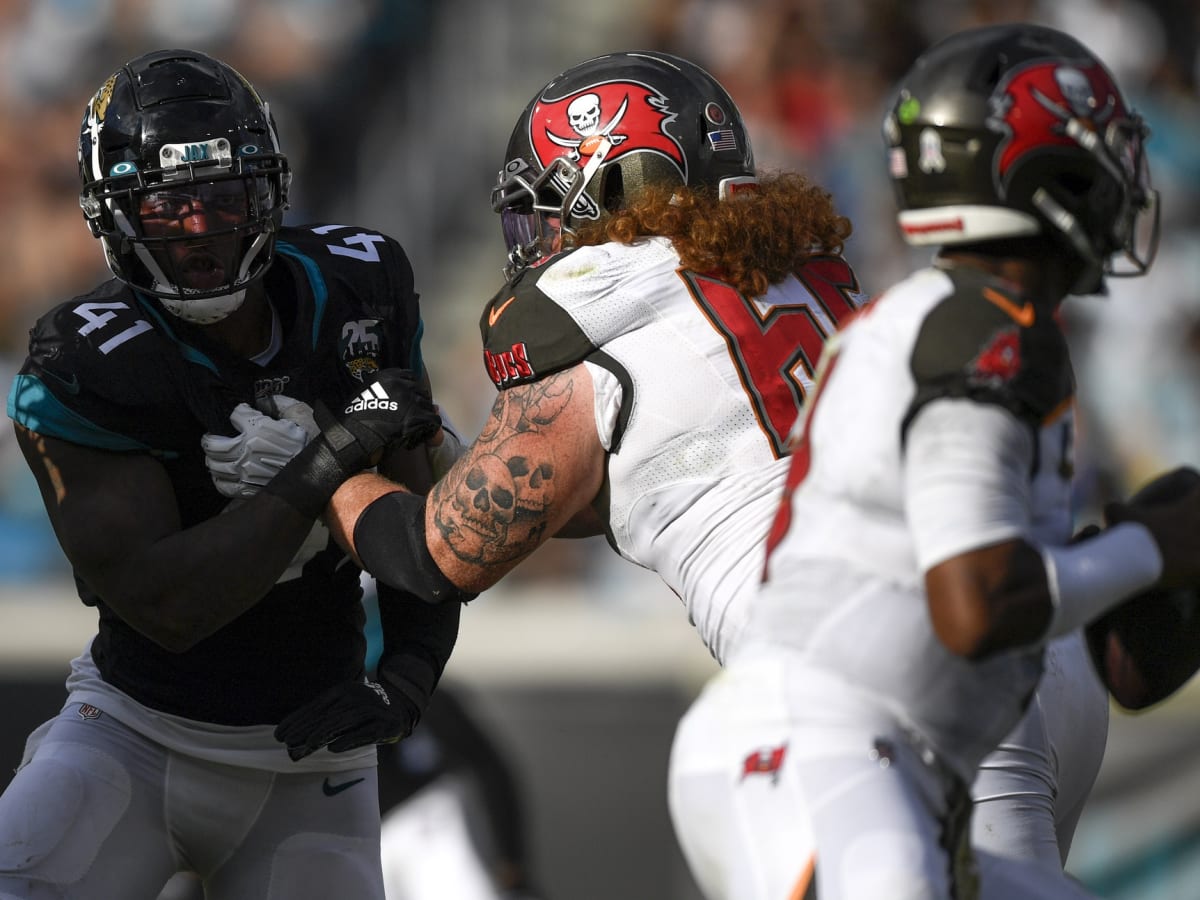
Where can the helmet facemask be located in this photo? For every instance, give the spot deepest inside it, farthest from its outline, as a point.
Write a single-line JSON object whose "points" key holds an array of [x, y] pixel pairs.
{"points": [[1106, 213], [537, 209], [191, 221], [194, 236]]}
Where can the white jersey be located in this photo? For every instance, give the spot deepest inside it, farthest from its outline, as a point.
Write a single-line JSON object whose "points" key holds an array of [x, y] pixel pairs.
{"points": [[944, 424], [697, 388]]}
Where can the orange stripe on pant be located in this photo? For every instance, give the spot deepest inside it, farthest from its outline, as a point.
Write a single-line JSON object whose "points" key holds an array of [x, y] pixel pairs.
{"points": [[806, 885]]}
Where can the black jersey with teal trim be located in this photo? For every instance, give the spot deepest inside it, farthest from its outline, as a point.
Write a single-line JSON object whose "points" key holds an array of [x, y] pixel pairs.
{"points": [[112, 370]]}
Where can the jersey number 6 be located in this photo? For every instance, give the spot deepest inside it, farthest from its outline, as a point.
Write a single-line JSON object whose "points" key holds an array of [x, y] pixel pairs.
{"points": [[775, 347]]}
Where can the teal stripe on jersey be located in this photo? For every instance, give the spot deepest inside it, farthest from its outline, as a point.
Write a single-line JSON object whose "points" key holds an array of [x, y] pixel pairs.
{"points": [[415, 360], [31, 404], [188, 352], [315, 279]]}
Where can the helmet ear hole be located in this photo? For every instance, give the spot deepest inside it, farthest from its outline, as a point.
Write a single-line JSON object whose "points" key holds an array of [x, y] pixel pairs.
{"points": [[613, 190]]}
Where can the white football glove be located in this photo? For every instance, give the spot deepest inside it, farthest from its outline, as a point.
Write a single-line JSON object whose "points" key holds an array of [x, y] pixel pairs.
{"points": [[265, 443], [242, 464], [281, 406]]}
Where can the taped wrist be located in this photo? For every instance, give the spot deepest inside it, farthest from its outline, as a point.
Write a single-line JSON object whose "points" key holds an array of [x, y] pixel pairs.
{"points": [[313, 475], [1090, 577], [389, 538], [443, 456], [310, 478]]}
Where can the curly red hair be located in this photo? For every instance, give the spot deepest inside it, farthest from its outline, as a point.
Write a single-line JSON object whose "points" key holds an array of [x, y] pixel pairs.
{"points": [[752, 240]]}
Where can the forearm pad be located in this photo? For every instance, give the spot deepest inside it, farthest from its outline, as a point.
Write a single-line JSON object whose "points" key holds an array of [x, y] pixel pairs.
{"points": [[389, 538], [310, 479]]}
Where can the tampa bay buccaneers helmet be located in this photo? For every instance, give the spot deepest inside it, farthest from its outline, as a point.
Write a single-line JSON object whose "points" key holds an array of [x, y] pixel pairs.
{"points": [[600, 131], [183, 181], [1015, 130]]}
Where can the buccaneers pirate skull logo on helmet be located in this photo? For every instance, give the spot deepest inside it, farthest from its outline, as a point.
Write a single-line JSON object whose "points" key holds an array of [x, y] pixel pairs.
{"points": [[612, 119], [601, 131], [1041, 104], [1017, 130]]}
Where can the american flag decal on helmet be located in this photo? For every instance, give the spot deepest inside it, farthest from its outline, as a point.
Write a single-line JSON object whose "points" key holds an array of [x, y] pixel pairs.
{"points": [[722, 139]]}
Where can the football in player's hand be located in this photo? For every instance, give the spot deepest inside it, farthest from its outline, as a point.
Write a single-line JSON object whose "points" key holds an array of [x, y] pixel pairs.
{"points": [[1149, 646], [1166, 487]]}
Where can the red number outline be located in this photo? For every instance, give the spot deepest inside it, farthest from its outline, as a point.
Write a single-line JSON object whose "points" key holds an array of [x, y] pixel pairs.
{"points": [[776, 353]]}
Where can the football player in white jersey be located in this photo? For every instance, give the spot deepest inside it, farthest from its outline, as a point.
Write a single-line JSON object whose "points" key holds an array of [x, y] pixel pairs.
{"points": [[896, 645], [652, 348]]}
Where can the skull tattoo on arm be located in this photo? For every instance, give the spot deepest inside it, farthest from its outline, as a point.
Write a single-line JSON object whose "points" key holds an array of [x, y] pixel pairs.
{"points": [[537, 462]]}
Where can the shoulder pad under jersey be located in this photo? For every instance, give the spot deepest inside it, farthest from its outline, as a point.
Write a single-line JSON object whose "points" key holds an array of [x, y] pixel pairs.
{"points": [[987, 342], [103, 372], [527, 335], [372, 264], [363, 287]]}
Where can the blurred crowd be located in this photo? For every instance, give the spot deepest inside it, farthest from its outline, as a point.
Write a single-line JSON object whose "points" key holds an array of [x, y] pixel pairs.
{"points": [[395, 114]]}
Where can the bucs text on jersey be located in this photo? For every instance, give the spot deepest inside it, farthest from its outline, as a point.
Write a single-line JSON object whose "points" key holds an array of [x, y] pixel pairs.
{"points": [[112, 370]]}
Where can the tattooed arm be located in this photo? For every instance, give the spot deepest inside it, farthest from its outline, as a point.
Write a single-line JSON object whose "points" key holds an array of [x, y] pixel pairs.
{"points": [[536, 468]]}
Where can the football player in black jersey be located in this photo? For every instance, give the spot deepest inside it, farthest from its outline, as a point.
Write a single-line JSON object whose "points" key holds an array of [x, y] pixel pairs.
{"points": [[230, 645]]}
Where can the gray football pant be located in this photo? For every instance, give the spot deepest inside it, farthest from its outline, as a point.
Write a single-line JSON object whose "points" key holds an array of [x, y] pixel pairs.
{"points": [[102, 813]]}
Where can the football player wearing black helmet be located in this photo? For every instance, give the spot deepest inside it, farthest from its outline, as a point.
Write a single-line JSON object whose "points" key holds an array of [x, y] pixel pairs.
{"points": [[603, 131], [177, 421], [183, 181], [652, 347], [1021, 134], [953, 666]]}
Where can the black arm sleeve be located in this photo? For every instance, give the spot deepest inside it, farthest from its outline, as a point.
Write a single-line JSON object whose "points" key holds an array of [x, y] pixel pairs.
{"points": [[418, 638]]}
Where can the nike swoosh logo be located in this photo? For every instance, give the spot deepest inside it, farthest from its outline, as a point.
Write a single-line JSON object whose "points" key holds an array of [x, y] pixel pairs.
{"points": [[1022, 315], [498, 311], [332, 790], [71, 387]]}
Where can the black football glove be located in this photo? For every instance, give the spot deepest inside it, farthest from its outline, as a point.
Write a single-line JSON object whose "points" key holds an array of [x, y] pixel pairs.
{"points": [[393, 408], [349, 716]]}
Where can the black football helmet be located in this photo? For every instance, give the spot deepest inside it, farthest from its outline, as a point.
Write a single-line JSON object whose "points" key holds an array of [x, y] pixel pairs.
{"points": [[600, 131], [183, 181], [1014, 130]]}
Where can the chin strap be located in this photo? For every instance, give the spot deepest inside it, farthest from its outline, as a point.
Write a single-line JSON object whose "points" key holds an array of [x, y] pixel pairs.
{"points": [[1091, 279]]}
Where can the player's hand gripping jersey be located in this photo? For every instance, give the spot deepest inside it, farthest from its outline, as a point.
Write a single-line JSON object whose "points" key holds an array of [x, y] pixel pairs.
{"points": [[110, 370], [696, 389], [977, 391]]}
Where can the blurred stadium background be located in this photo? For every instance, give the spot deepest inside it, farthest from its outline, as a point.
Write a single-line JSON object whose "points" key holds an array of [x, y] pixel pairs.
{"points": [[395, 114]]}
